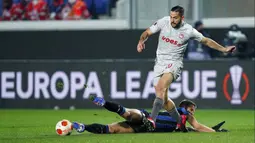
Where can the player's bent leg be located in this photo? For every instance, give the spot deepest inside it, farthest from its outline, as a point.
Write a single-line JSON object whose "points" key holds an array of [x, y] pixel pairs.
{"points": [[133, 115], [110, 106], [169, 106], [161, 87]]}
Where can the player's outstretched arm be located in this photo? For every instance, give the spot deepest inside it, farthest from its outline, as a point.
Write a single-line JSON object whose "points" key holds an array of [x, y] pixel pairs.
{"points": [[197, 126], [145, 35], [156, 27], [212, 44]]}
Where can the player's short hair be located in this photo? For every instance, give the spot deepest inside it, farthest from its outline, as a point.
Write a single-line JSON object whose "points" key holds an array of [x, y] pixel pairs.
{"points": [[187, 103], [178, 9]]}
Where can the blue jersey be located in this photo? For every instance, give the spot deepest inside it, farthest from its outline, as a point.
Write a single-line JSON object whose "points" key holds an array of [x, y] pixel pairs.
{"points": [[164, 122]]}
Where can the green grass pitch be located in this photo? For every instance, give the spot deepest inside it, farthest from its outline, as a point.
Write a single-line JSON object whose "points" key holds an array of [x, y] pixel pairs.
{"points": [[38, 126]]}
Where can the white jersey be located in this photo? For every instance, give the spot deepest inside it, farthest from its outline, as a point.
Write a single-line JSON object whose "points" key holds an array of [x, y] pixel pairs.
{"points": [[172, 43]]}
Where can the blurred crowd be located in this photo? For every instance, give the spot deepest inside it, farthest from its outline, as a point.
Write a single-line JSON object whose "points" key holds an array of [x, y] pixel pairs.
{"points": [[35, 10], [12, 10]]}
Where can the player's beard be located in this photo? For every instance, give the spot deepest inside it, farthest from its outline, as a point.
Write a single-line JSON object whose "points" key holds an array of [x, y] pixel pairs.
{"points": [[178, 25]]}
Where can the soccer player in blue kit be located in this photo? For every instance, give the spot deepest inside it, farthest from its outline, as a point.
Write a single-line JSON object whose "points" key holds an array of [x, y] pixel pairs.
{"points": [[139, 121]]}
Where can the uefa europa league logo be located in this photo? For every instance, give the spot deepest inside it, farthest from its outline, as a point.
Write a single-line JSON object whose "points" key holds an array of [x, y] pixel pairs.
{"points": [[236, 75]]}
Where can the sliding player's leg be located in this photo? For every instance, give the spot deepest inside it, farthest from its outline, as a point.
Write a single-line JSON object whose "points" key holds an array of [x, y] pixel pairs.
{"points": [[126, 113], [120, 127], [132, 115]]}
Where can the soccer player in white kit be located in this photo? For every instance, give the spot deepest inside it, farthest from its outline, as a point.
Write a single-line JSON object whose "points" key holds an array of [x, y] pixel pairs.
{"points": [[172, 43]]}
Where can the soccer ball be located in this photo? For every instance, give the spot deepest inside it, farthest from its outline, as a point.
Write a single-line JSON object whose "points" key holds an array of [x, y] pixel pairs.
{"points": [[64, 127]]}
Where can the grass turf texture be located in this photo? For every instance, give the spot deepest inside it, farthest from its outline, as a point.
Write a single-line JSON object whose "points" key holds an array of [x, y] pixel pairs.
{"points": [[34, 126]]}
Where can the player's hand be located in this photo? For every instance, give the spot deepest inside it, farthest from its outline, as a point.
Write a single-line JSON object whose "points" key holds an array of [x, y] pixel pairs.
{"points": [[229, 49], [140, 47], [218, 126]]}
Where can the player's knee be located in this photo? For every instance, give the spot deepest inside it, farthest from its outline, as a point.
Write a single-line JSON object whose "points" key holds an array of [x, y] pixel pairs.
{"points": [[160, 91], [133, 115], [135, 118], [168, 104], [126, 115], [113, 129]]}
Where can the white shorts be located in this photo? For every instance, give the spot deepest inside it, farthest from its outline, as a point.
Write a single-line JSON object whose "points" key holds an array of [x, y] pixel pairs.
{"points": [[168, 67]]}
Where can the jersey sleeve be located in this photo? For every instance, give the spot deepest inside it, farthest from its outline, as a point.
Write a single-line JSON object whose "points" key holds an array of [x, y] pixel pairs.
{"points": [[196, 35], [157, 26], [182, 111]]}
